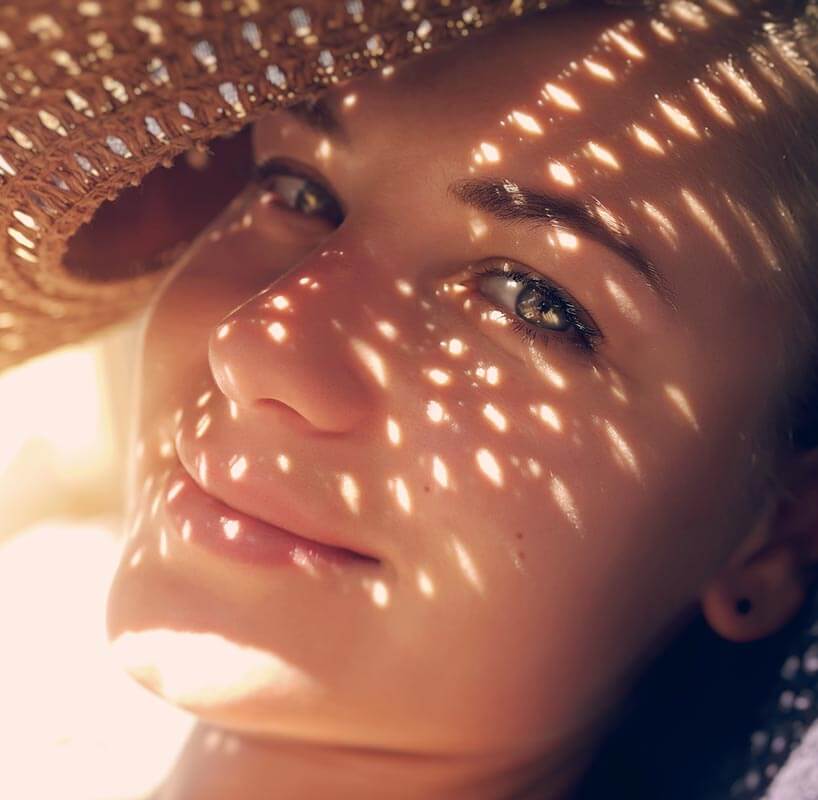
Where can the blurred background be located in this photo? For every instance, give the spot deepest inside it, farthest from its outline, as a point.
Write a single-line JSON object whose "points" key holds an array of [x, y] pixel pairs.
{"points": [[72, 725]]}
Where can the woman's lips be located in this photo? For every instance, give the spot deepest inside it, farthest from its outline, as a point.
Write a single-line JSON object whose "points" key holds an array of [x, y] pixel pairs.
{"points": [[202, 520]]}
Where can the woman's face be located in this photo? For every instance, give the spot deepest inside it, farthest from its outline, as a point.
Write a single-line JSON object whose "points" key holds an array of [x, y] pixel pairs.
{"points": [[542, 506]]}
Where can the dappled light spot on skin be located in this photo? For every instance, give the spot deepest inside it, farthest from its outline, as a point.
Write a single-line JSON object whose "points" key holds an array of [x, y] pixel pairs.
{"points": [[534, 467], [616, 386], [137, 523], [425, 584], [689, 14], [679, 119], [552, 375], [438, 376], [525, 122], [495, 417], [477, 229], [387, 330], [561, 174], [455, 347], [231, 528], [370, 359], [707, 221], [305, 281], [566, 240], [177, 416], [324, 150], [629, 47], [713, 101], [187, 529], [279, 302], [563, 498], [725, 7], [350, 100], [679, 400], [603, 155], [547, 414], [495, 316], [598, 70], [647, 140], [136, 558], [623, 301], [404, 287], [756, 231], [623, 453], [398, 487], [201, 401], [487, 153], [277, 331], [163, 543], [488, 466], [440, 472], [233, 407], [302, 560], [380, 593], [435, 411], [206, 669], [283, 462], [166, 449], [741, 83], [662, 30], [201, 467], [490, 374], [237, 467], [666, 227], [560, 97], [350, 492], [393, 431], [467, 564], [202, 425], [174, 490]]}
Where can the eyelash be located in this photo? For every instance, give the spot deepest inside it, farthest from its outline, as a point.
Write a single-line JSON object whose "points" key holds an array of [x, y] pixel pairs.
{"points": [[281, 168], [587, 336]]}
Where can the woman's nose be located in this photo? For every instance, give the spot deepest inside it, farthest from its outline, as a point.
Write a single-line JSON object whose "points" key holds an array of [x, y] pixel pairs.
{"points": [[293, 343]]}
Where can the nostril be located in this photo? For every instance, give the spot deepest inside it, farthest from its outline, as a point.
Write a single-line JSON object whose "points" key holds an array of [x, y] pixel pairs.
{"points": [[285, 414]]}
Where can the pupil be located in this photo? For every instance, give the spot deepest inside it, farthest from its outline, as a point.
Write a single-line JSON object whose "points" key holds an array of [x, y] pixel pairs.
{"points": [[308, 201], [534, 308]]}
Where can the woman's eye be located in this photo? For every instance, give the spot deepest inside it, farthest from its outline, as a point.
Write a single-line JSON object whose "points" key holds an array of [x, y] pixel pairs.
{"points": [[537, 307], [296, 192]]}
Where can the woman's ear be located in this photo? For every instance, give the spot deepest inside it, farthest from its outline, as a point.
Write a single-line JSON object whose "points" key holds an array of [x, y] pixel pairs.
{"points": [[766, 580]]}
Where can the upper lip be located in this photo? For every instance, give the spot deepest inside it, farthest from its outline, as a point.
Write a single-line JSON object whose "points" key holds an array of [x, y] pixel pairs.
{"points": [[282, 512]]}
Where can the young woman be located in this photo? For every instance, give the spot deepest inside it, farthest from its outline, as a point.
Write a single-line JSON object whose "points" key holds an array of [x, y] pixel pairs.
{"points": [[487, 387]]}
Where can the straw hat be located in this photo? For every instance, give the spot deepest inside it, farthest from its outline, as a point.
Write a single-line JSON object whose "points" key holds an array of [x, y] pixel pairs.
{"points": [[95, 94]]}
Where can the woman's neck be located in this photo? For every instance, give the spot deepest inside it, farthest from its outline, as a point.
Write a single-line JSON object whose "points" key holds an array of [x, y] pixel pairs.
{"points": [[217, 765]]}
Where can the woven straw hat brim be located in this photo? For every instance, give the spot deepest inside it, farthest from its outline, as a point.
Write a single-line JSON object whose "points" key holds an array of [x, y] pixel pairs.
{"points": [[95, 94]]}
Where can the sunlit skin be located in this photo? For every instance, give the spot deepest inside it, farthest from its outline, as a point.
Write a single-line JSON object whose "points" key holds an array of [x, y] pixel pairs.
{"points": [[546, 518]]}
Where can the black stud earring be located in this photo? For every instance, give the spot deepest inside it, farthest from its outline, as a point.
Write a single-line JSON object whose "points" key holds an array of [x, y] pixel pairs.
{"points": [[743, 606]]}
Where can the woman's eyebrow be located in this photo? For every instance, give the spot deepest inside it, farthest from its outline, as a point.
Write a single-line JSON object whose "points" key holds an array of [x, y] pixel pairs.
{"points": [[506, 201], [321, 117]]}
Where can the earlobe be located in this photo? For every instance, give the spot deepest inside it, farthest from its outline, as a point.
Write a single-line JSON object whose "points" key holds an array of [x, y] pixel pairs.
{"points": [[756, 601]]}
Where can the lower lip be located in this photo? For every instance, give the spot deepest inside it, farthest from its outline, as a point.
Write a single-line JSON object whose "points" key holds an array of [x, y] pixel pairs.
{"points": [[202, 520]]}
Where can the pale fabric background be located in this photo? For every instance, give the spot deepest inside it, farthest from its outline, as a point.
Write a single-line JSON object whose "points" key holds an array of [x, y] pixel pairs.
{"points": [[73, 726]]}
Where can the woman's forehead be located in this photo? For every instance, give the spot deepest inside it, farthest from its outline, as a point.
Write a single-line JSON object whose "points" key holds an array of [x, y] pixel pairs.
{"points": [[642, 111]]}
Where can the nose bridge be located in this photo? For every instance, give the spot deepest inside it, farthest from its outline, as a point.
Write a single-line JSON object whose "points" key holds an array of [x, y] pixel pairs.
{"points": [[300, 342]]}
